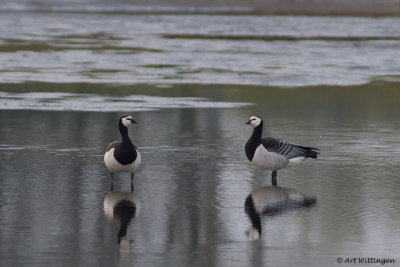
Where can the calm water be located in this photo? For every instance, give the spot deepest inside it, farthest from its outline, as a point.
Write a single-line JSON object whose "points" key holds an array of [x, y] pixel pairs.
{"points": [[67, 78], [194, 180]]}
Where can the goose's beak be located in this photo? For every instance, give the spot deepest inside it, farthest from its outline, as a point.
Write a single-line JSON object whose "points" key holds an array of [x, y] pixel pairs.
{"points": [[133, 121], [248, 122]]}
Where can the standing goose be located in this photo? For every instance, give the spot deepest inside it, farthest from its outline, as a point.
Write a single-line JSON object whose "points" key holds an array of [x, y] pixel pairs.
{"points": [[274, 154], [123, 156]]}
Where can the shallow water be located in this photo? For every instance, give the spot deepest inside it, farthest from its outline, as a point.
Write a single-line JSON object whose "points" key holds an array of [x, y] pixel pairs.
{"points": [[66, 78], [194, 179]]}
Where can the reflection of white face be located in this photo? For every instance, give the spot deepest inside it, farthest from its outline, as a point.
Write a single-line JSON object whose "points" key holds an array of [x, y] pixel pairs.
{"points": [[254, 121], [126, 121]]}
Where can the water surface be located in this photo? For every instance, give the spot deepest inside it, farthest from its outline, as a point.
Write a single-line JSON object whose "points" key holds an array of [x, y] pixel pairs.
{"points": [[195, 178], [67, 76]]}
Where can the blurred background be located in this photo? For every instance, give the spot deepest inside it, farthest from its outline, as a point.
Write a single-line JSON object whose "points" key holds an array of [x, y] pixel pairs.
{"points": [[289, 7]]}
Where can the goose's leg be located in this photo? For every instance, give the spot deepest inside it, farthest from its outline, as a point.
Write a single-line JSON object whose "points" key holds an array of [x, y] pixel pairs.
{"points": [[273, 178], [132, 186]]}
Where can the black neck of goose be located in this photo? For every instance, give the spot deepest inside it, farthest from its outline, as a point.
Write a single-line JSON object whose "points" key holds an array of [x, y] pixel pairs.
{"points": [[124, 132], [254, 141], [257, 133]]}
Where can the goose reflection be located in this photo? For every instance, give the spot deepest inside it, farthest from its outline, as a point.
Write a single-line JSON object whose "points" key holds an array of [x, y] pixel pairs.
{"points": [[270, 201], [121, 207]]}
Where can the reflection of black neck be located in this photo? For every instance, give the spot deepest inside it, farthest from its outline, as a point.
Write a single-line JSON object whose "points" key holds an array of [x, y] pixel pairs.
{"points": [[254, 216], [124, 210], [254, 141]]}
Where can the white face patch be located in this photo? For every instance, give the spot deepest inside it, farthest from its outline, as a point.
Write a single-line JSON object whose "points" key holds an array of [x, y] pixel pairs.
{"points": [[126, 121], [255, 121]]}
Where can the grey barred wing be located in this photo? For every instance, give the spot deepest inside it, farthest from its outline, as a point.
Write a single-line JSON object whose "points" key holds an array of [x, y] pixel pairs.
{"points": [[288, 150]]}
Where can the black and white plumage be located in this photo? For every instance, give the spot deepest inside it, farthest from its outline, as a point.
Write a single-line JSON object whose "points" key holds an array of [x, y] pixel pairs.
{"points": [[274, 154], [123, 155]]}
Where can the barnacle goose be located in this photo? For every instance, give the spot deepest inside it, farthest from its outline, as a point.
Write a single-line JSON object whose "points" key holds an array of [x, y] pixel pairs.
{"points": [[123, 155], [274, 154]]}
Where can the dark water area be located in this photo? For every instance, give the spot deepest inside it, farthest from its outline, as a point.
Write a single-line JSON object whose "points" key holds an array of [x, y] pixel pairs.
{"points": [[191, 81]]}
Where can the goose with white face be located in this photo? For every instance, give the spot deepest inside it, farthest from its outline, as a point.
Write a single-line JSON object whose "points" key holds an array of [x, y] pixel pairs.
{"points": [[127, 121], [273, 153], [123, 155], [254, 121]]}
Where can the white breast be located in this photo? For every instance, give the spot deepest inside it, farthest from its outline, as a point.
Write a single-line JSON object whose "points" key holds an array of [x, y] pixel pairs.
{"points": [[137, 162], [269, 160], [114, 166]]}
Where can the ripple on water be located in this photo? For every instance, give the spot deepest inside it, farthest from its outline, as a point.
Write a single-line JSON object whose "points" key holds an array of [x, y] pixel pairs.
{"points": [[93, 102]]}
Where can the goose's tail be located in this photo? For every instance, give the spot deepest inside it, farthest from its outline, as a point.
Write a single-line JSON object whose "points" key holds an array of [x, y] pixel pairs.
{"points": [[302, 153], [310, 152]]}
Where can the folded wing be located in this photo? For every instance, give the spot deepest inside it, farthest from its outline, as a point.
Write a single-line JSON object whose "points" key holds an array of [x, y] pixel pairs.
{"points": [[288, 150]]}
